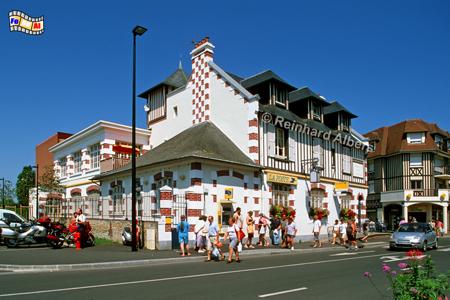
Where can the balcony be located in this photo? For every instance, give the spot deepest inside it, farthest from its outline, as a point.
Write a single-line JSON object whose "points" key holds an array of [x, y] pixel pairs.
{"points": [[416, 171], [113, 163], [417, 195], [425, 193], [281, 163]]}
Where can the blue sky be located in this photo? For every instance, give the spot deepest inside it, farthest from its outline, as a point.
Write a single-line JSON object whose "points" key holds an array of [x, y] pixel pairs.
{"points": [[386, 61]]}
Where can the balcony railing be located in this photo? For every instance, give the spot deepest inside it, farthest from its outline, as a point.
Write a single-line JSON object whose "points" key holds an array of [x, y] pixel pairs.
{"points": [[280, 163], [416, 171], [113, 163], [425, 193]]}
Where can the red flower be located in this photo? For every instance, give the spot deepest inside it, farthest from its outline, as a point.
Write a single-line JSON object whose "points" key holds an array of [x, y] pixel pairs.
{"points": [[413, 253]]}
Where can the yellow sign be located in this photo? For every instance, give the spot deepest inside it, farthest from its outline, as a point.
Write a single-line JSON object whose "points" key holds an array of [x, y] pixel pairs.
{"points": [[278, 178], [228, 193], [341, 186], [168, 220]]}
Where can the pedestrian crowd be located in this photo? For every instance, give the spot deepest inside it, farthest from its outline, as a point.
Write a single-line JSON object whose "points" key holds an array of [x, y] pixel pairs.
{"points": [[265, 231]]}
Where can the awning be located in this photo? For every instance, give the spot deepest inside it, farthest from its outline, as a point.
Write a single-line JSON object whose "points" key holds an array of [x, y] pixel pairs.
{"points": [[443, 176], [124, 149], [75, 191], [93, 188]]}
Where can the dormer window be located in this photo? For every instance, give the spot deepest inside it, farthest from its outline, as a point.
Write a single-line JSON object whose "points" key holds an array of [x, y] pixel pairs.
{"points": [[317, 111], [345, 123], [415, 137], [281, 142], [278, 96]]}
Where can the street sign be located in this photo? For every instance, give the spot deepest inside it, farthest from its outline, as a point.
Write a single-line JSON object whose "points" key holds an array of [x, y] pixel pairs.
{"points": [[341, 186], [278, 178], [228, 193]]}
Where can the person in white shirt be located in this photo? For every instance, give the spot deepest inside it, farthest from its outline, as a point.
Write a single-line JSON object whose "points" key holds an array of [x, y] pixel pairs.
{"points": [[335, 231], [231, 234], [198, 228], [317, 225], [342, 232], [81, 225]]}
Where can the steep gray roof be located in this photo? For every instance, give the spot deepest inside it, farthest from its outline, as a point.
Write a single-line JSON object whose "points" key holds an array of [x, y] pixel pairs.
{"points": [[203, 140], [304, 93], [335, 107], [176, 79], [263, 77]]}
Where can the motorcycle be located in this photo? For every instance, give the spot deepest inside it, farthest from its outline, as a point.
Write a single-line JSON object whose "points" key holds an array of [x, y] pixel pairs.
{"points": [[31, 233], [127, 239], [60, 234]]}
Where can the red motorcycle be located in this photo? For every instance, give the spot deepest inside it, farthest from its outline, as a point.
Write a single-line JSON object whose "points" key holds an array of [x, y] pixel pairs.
{"points": [[60, 234]]}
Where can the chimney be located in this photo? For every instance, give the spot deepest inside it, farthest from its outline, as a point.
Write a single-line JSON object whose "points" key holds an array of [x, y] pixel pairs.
{"points": [[200, 80]]}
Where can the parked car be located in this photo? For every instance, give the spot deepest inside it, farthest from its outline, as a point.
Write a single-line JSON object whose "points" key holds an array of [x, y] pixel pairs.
{"points": [[414, 235], [9, 219]]}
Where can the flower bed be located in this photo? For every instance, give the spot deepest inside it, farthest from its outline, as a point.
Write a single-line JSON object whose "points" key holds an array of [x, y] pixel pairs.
{"points": [[347, 214], [282, 211], [319, 212]]}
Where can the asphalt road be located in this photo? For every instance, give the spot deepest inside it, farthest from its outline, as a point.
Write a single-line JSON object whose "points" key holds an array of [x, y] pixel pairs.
{"points": [[336, 274]]}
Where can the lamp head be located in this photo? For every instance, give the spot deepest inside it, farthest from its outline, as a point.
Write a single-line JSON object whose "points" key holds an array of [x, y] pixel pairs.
{"points": [[139, 30]]}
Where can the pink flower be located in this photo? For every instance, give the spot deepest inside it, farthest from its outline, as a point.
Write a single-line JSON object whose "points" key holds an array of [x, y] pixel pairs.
{"points": [[386, 268], [402, 265], [393, 273], [367, 274]]}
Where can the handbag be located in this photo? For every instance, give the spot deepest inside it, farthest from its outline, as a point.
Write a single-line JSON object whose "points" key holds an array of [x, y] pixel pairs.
{"points": [[239, 247], [240, 234]]}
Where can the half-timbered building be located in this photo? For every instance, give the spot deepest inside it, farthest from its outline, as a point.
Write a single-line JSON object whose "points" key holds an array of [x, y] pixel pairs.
{"points": [[220, 141], [409, 173]]}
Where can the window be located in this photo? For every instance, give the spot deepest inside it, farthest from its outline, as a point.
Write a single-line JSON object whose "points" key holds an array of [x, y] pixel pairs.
{"points": [[333, 157], [415, 159], [95, 156], [371, 167], [345, 123], [63, 165], [175, 111], [415, 138], [438, 166], [317, 110], [347, 160], [316, 201], [416, 184], [77, 162], [372, 145], [280, 194], [117, 197], [371, 187], [345, 201], [278, 95], [281, 142], [318, 151]]}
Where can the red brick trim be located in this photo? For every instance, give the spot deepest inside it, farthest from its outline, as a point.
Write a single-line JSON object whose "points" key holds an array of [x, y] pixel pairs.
{"points": [[168, 228], [165, 212], [194, 212], [253, 149], [291, 191], [256, 200], [253, 136], [318, 186], [245, 199], [253, 123], [214, 198], [291, 202], [196, 181], [325, 205], [165, 195], [270, 201], [193, 197]]}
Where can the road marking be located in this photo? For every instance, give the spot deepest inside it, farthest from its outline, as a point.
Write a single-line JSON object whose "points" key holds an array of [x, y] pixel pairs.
{"points": [[443, 249], [392, 258], [186, 276], [282, 292], [351, 253]]}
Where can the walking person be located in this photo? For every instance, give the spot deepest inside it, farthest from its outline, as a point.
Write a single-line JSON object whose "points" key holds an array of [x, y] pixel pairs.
{"points": [[343, 232], [183, 236], [262, 231], [335, 231], [198, 228], [232, 235], [365, 228], [351, 234], [213, 239], [291, 232], [275, 227], [317, 225], [250, 229], [237, 216]]}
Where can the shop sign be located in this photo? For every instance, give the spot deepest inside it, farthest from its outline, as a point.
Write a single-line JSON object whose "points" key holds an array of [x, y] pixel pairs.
{"points": [[228, 193], [278, 178], [341, 186]]}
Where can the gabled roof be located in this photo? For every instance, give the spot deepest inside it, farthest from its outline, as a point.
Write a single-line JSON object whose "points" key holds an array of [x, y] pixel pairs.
{"points": [[392, 139], [303, 94], [336, 107], [203, 140], [263, 77], [176, 79]]}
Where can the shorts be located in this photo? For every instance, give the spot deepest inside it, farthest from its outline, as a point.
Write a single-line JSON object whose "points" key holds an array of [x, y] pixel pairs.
{"points": [[316, 236], [183, 238], [233, 243], [351, 237], [210, 243]]}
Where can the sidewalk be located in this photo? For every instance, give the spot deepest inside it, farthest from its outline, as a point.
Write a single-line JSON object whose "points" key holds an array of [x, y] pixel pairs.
{"points": [[116, 256]]}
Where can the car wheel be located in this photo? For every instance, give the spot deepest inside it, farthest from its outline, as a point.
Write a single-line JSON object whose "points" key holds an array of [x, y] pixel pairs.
{"points": [[436, 245], [425, 246]]}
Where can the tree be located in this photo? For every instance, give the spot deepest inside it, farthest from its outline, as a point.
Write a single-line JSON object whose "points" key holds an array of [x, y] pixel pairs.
{"points": [[25, 181], [9, 194], [48, 182]]}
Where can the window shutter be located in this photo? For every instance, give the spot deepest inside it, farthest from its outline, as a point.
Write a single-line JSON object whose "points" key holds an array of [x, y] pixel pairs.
{"points": [[271, 140], [292, 146], [317, 151]]}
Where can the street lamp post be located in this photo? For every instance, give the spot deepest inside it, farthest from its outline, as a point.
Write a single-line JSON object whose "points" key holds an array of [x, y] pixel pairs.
{"points": [[37, 189], [138, 30], [3, 192]]}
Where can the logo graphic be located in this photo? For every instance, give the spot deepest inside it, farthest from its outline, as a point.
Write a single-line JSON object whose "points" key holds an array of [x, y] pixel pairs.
{"points": [[18, 21]]}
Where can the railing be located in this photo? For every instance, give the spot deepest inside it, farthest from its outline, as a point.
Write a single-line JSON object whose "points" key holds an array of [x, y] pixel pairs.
{"points": [[425, 193], [113, 163], [280, 163], [442, 146], [99, 208]]}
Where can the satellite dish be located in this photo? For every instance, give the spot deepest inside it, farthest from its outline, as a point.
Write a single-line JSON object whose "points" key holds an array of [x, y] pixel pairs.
{"points": [[146, 108]]}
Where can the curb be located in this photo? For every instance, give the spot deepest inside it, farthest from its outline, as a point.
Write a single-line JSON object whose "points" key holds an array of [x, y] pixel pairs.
{"points": [[155, 261]]}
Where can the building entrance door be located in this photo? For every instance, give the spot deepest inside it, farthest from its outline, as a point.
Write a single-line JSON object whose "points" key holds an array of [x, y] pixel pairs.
{"points": [[421, 217]]}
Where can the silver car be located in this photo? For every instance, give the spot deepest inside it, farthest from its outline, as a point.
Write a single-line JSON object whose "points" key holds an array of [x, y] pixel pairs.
{"points": [[414, 235]]}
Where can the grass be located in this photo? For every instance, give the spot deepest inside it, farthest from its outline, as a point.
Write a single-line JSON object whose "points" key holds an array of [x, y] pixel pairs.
{"points": [[104, 242]]}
